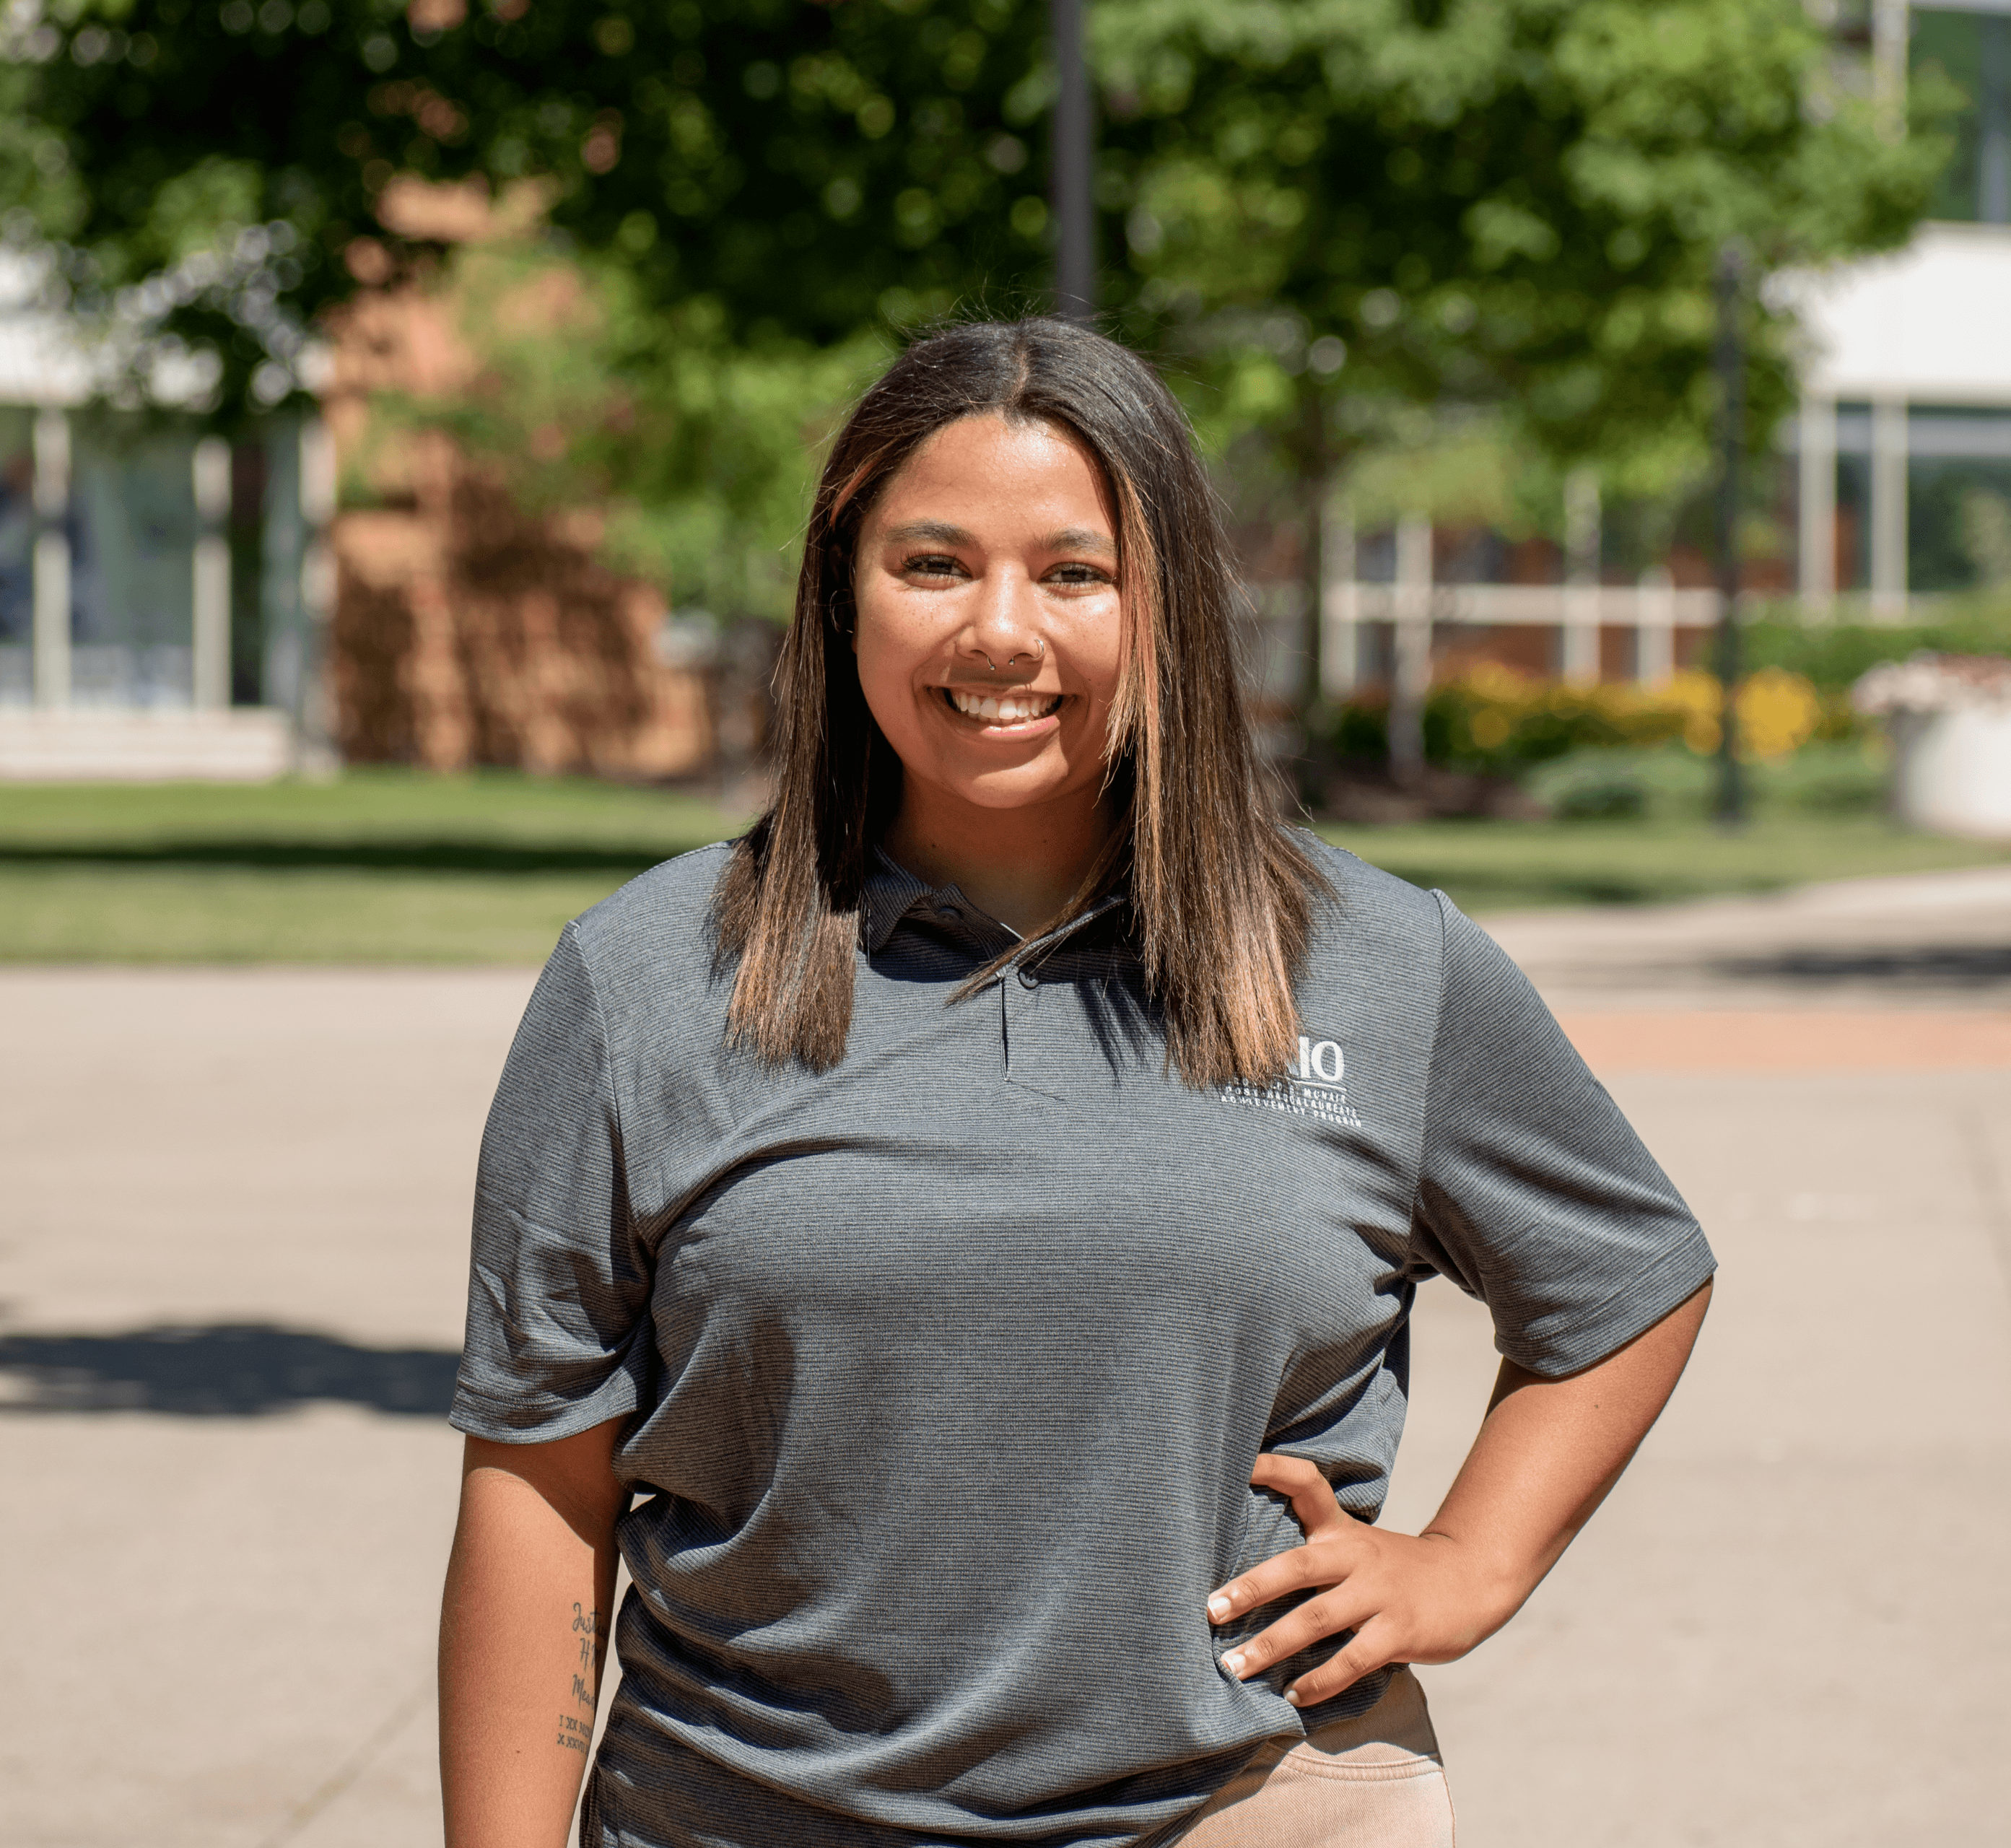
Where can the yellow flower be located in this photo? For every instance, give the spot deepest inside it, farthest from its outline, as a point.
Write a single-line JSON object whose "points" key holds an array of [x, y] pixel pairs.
{"points": [[1777, 712], [1696, 695]]}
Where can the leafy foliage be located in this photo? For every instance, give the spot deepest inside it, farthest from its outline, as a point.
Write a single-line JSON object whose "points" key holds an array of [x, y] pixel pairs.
{"points": [[1472, 196], [1322, 214], [806, 170], [1832, 655], [1361, 201]]}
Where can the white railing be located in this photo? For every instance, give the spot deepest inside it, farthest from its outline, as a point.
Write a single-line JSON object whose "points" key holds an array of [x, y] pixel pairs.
{"points": [[1654, 609]]}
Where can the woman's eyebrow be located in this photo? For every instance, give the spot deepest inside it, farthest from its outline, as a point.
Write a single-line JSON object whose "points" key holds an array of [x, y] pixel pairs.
{"points": [[1079, 539], [939, 531]]}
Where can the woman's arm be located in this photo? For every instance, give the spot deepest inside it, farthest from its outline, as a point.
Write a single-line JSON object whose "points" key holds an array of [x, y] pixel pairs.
{"points": [[523, 1633], [1548, 1451]]}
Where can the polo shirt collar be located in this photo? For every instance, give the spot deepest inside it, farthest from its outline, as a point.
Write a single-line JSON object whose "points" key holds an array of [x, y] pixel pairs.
{"points": [[891, 892]]}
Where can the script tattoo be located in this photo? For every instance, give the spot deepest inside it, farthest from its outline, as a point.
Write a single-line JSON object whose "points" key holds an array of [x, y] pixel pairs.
{"points": [[575, 1730]]}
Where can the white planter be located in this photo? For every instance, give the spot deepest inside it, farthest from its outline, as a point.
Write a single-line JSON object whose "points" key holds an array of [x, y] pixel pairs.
{"points": [[1951, 770]]}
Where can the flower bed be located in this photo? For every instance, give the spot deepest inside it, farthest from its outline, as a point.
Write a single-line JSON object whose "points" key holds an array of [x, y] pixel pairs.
{"points": [[1496, 722]]}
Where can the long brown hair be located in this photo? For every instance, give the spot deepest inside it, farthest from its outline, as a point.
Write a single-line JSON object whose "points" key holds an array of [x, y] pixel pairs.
{"points": [[1219, 892]]}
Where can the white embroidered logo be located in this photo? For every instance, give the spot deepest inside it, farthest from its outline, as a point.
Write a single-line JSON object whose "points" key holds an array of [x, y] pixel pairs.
{"points": [[1313, 1088]]}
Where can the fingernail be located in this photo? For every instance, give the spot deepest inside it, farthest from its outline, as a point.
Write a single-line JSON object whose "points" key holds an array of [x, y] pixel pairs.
{"points": [[1292, 1695], [1218, 1606], [1233, 1663]]}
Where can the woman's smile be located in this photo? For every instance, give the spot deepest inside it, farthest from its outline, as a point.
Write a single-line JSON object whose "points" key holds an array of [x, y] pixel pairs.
{"points": [[1003, 715]]}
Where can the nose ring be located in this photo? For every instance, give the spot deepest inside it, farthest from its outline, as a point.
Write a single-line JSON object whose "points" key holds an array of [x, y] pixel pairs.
{"points": [[1040, 647]]}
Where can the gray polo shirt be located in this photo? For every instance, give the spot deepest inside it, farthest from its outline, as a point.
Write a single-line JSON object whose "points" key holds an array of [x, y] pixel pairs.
{"points": [[946, 1370]]}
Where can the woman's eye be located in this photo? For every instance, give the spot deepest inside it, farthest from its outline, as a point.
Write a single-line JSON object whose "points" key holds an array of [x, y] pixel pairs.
{"points": [[1075, 576], [932, 564]]}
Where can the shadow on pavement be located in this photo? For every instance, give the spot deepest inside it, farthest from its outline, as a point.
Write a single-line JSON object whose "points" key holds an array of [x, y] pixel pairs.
{"points": [[443, 854], [233, 1370], [1939, 966]]}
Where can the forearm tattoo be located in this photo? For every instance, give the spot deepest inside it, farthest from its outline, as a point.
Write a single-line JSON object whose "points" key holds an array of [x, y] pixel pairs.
{"points": [[575, 1731]]}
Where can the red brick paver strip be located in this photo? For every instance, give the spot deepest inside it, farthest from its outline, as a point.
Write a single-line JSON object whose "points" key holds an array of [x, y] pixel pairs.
{"points": [[1732, 1040]]}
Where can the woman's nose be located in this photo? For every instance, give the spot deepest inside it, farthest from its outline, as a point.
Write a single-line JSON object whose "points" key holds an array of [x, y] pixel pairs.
{"points": [[1005, 626]]}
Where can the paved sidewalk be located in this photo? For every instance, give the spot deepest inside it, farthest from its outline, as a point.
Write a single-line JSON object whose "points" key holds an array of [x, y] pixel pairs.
{"points": [[231, 1238], [1931, 941], [232, 1249]]}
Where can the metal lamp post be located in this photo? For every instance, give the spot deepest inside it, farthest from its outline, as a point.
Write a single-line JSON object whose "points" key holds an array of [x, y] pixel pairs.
{"points": [[1729, 807], [1074, 154]]}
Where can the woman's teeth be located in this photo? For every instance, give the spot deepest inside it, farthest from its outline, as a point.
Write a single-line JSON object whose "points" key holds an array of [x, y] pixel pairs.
{"points": [[1011, 709]]}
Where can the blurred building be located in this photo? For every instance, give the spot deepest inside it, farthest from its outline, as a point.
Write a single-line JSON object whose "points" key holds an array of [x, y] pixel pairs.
{"points": [[174, 605], [1903, 444], [466, 630], [150, 616]]}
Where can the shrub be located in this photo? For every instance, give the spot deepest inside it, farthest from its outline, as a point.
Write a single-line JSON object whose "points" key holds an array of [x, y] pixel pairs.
{"points": [[1832, 655], [1498, 722]]}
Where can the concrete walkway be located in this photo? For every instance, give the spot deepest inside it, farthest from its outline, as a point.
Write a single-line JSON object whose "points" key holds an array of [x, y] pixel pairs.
{"points": [[231, 1236]]}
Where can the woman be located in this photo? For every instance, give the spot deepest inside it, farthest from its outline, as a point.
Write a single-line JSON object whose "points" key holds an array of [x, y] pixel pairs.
{"points": [[957, 1241]]}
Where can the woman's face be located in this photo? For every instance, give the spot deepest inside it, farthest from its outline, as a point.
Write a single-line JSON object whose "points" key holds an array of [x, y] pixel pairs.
{"points": [[990, 623]]}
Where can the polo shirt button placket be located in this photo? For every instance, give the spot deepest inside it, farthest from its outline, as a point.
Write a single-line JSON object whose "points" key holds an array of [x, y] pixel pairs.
{"points": [[1022, 1061]]}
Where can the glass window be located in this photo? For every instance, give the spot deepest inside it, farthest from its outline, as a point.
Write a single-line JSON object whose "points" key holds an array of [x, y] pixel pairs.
{"points": [[17, 552], [1853, 562], [1974, 51], [1958, 498], [133, 534]]}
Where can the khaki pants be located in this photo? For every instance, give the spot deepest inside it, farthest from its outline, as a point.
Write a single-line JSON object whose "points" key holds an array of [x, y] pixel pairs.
{"points": [[1374, 1782]]}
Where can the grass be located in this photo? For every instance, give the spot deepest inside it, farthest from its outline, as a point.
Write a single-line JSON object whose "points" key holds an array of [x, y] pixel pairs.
{"points": [[376, 867], [1504, 866], [395, 867]]}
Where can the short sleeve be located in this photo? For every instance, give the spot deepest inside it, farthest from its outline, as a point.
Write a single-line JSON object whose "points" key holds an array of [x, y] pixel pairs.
{"points": [[559, 1283], [1534, 1192]]}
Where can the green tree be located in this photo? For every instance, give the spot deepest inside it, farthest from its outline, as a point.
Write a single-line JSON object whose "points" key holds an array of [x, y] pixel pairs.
{"points": [[206, 167], [1321, 212], [1340, 207], [755, 191]]}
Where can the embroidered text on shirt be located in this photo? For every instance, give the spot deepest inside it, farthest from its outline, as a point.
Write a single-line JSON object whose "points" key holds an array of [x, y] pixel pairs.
{"points": [[1313, 1089]]}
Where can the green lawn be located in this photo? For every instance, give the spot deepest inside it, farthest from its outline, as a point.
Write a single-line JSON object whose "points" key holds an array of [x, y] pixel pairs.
{"points": [[392, 866], [1501, 866], [376, 867]]}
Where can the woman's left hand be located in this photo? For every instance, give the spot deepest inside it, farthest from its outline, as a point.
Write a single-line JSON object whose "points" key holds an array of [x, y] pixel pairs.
{"points": [[1547, 1452], [1407, 1598]]}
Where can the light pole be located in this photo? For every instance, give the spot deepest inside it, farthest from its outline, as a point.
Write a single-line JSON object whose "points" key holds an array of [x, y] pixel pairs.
{"points": [[1729, 809], [1074, 156]]}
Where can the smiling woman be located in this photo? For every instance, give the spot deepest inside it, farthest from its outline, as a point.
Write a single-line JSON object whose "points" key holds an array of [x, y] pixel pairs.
{"points": [[1016, 510], [958, 1241]]}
